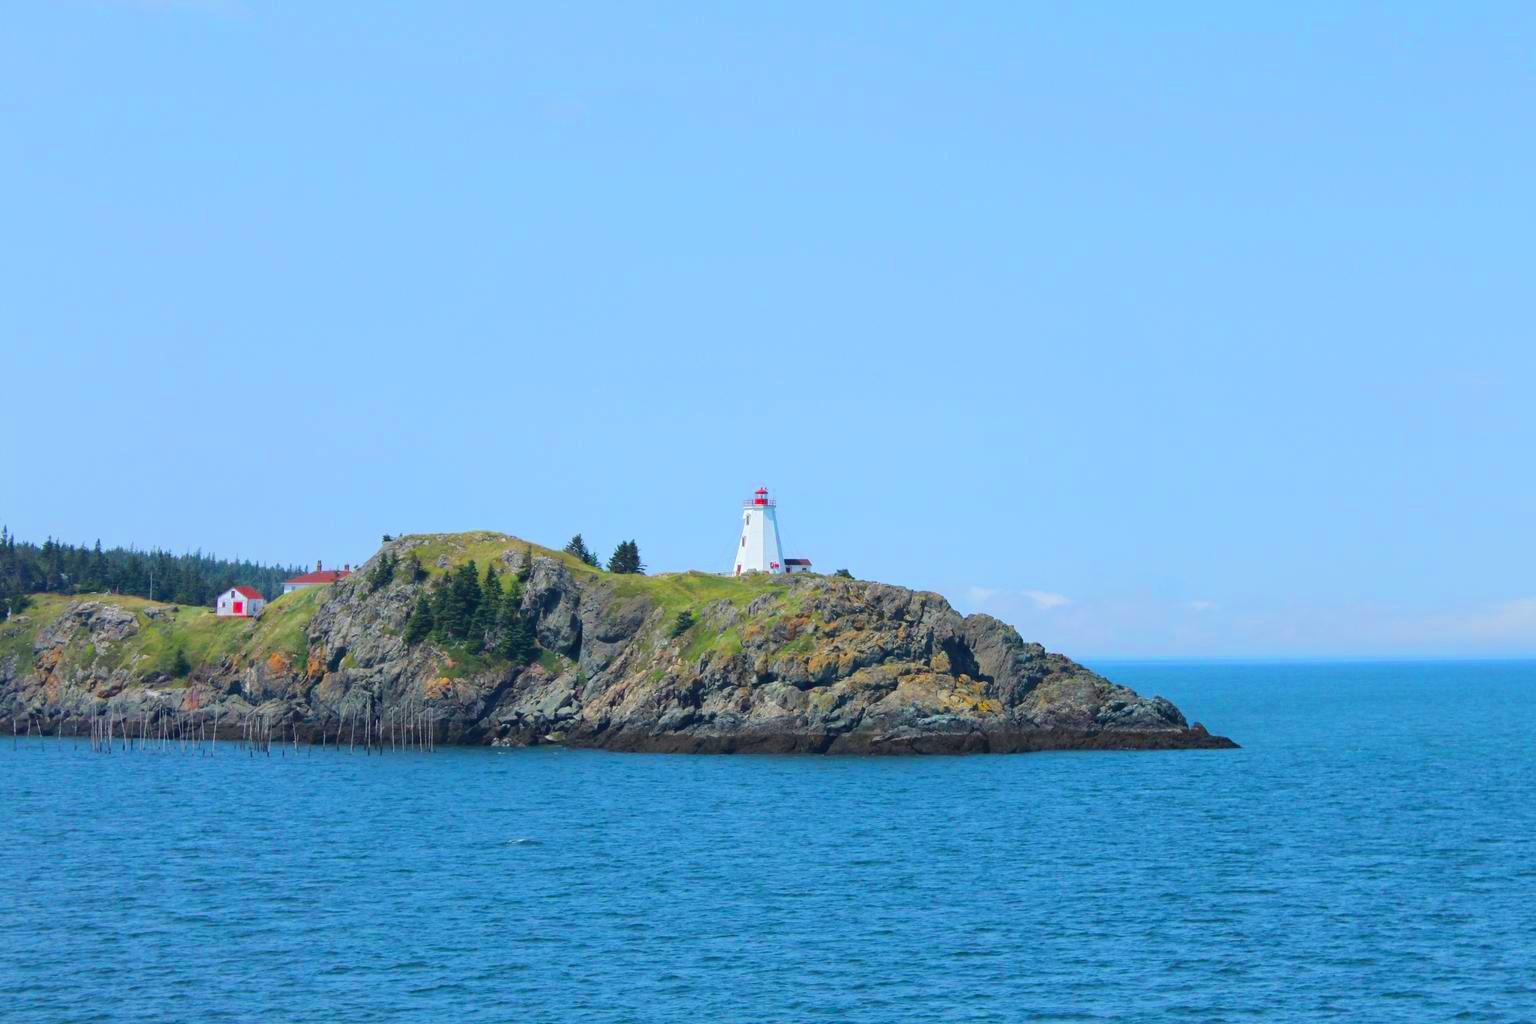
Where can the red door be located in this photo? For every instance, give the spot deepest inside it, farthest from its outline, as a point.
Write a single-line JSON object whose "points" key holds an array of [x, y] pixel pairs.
{"points": [[239, 607]]}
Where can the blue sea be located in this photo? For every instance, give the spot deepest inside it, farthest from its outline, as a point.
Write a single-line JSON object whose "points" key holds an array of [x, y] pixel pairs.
{"points": [[1368, 855]]}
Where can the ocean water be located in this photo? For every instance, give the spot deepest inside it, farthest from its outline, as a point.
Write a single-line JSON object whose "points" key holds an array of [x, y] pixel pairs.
{"points": [[1369, 855]]}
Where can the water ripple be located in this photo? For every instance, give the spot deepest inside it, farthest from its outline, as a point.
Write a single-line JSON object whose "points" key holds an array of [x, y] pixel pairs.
{"points": [[1370, 855]]}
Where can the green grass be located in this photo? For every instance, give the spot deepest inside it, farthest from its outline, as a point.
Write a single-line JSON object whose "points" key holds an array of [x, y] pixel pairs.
{"points": [[703, 639], [692, 591], [284, 626], [671, 592], [203, 637], [17, 634], [483, 546]]}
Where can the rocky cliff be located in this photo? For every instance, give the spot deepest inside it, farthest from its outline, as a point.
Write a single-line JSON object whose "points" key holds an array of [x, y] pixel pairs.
{"points": [[770, 664]]}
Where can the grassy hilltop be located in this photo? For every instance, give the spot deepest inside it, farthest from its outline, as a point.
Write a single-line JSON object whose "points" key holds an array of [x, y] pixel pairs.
{"points": [[172, 640]]}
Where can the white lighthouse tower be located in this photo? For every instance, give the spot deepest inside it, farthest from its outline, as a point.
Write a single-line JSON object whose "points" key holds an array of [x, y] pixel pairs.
{"points": [[758, 550]]}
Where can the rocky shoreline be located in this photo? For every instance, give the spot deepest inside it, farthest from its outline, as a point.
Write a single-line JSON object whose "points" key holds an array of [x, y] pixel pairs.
{"points": [[769, 665]]}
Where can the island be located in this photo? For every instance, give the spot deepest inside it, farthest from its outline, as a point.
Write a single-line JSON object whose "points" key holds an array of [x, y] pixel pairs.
{"points": [[486, 639]]}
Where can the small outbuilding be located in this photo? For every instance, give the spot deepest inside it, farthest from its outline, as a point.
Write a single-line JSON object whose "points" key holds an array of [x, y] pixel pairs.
{"points": [[239, 603]]}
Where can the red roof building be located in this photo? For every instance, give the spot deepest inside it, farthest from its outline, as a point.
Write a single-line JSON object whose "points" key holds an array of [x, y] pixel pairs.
{"points": [[319, 578], [239, 603]]}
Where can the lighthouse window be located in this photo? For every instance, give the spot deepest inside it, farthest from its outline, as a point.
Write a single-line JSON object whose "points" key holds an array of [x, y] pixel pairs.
{"points": [[749, 518], [743, 540]]}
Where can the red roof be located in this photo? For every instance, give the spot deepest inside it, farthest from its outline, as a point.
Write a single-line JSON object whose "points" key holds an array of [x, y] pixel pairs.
{"points": [[797, 561], [250, 592], [323, 576]]}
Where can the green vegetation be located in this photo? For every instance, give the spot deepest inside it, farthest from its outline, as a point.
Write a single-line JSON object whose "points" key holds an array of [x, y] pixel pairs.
{"points": [[383, 572], [473, 613], [172, 639], [577, 548], [53, 567], [691, 591], [481, 546], [844, 573], [626, 559], [419, 626], [474, 616], [725, 643], [17, 632]]}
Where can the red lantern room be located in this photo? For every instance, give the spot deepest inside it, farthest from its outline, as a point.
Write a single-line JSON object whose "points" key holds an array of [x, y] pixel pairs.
{"points": [[759, 498]]}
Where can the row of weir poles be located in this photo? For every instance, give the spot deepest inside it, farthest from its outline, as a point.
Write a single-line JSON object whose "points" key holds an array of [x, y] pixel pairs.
{"points": [[397, 729]]}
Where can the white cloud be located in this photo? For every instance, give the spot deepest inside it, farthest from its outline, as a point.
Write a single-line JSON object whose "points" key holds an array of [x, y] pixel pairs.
{"points": [[1507, 620], [1046, 600], [993, 597]]}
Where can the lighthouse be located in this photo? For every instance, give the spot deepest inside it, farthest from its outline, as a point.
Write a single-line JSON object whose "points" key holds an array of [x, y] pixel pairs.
{"points": [[758, 549]]}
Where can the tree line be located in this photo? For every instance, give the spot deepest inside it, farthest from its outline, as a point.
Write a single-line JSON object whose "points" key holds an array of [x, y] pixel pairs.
{"points": [[192, 579]]}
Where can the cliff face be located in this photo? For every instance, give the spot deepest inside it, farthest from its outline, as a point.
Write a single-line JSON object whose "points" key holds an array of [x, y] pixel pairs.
{"points": [[782, 664]]}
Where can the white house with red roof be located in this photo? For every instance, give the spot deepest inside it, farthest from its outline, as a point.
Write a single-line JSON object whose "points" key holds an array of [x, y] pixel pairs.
{"points": [[239, 603], [319, 578]]}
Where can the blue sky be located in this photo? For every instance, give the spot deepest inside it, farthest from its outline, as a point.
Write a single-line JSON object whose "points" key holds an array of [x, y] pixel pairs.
{"points": [[1171, 329]]}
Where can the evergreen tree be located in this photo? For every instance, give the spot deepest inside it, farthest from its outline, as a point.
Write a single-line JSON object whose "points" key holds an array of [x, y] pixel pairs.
{"points": [[419, 626], [514, 636], [68, 569], [383, 572], [454, 602], [466, 589], [577, 547], [683, 623], [95, 577], [414, 573], [489, 609], [844, 574], [626, 559]]}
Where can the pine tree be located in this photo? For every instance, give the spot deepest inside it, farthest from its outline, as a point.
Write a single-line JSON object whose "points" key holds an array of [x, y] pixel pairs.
{"points": [[489, 608], [466, 590], [96, 575], [383, 572], [514, 636], [442, 614], [577, 547], [419, 626], [454, 602], [414, 573], [626, 559]]}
